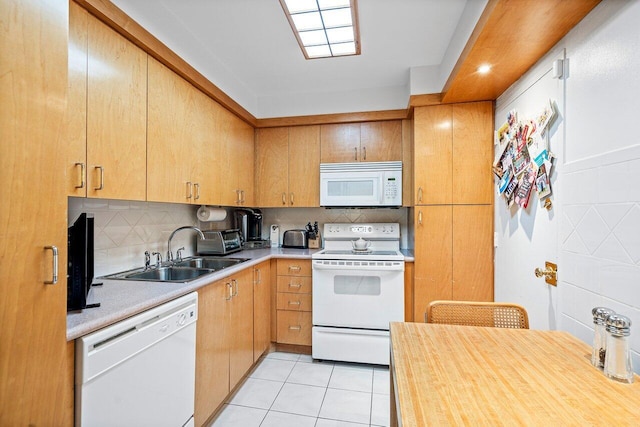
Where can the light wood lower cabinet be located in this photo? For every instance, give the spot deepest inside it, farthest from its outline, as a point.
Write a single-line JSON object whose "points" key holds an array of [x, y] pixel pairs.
{"points": [[224, 349], [454, 254], [293, 311], [261, 309]]}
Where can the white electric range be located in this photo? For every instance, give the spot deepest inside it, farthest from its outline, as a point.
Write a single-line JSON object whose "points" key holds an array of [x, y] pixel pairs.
{"points": [[357, 292]]}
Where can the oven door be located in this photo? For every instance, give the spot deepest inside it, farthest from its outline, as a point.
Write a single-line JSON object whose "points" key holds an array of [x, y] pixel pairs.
{"points": [[358, 294]]}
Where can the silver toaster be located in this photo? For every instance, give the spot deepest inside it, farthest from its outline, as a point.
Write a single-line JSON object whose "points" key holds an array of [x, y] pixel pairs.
{"points": [[219, 242], [295, 239]]}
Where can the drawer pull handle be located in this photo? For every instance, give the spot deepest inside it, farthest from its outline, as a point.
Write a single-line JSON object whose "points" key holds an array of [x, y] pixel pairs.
{"points": [[295, 268], [82, 174], [295, 328], [54, 265], [189, 192], [294, 302], [295, 285], [197, 188], [101, 180]]}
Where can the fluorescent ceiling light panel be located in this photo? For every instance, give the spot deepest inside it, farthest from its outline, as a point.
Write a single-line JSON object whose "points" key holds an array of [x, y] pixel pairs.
{"points": [[324, 28]]}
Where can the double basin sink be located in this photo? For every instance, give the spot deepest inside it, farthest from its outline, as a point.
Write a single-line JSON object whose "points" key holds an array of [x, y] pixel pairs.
{"points": [[180, 271]]}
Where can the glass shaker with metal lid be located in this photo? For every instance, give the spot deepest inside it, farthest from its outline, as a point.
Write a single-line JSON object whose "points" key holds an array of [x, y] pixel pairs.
{"points": [[617, 363], [600, 336]]}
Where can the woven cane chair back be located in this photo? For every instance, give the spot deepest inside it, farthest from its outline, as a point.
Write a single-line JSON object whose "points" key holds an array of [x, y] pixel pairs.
{"points": [[469, 313]]}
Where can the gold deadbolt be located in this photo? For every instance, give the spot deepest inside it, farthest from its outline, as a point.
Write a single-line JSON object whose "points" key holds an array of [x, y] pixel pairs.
{"points": [[550, 273]]}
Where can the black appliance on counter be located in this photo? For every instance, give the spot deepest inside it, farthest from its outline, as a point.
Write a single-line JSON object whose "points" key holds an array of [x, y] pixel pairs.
{"points": [[249, 222], [80, 262]]}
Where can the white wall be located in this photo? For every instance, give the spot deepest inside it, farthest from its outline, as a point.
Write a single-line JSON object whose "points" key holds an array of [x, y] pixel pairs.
{"points": [[599, 223]]}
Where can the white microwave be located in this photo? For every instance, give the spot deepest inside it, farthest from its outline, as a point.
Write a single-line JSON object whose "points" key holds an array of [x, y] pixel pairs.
{"points": [[363, 184]]}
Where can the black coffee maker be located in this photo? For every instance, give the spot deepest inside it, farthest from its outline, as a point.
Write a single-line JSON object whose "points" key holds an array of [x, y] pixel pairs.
{"points": [[249, 222]]}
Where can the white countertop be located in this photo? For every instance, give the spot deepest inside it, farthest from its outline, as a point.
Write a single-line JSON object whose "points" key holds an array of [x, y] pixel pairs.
{"points": [[120, 299]]}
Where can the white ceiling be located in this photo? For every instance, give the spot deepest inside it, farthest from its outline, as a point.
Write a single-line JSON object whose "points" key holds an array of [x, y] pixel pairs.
{"points": [[247, 49]]}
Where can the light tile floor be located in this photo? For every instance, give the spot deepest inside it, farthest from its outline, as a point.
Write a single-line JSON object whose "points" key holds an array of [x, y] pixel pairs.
{"points": [[291, 390]]}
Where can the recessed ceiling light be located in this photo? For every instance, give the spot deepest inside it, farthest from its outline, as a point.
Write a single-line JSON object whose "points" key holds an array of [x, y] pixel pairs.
{"points": [[484, 69], [324, 28]]}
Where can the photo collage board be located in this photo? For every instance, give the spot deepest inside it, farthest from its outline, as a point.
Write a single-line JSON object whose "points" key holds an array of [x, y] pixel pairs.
{"points": [[524, 161]]}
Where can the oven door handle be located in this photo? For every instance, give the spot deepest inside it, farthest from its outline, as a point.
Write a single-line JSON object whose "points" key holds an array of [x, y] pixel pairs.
{"points": [[392, 266]]}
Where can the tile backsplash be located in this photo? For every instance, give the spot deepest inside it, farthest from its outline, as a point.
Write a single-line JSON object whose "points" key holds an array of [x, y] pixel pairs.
{"points": [[124, 230]]}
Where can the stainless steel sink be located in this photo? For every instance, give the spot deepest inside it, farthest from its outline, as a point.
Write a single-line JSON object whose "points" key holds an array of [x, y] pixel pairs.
{"points": [[212, 263], [180, 272], [169, 274]]}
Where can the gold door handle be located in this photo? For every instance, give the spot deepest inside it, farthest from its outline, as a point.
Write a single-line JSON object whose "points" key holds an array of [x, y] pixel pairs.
{"points": [[295, 268], [284, 199], [54, 278], [419, 194], [235, 283], [82, 174], [189, 191], [101, 175], [229, 291], [291, 198], [295, 327], [295, 285], [420, 218], [550, 273], [242, 200], [294, 302]]}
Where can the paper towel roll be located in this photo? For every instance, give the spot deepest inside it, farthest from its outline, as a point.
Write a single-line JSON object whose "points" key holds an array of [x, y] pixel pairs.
{"points": [[207, 213]]}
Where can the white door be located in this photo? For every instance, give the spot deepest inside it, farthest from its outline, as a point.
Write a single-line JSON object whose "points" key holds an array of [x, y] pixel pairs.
{"points": [[526, 238]]}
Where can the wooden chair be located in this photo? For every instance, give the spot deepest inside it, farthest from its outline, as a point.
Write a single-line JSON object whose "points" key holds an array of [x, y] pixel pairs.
{"points": [[468, 313]]}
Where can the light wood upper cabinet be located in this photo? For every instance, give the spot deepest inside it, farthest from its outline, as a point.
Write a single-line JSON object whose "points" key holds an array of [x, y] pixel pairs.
{"points": [[287, 171], [453, 145], [272, 167], [116, 115], [472, 153], [234, 163], [180, 149], [36, 381], [361, 142], [76, 149]]}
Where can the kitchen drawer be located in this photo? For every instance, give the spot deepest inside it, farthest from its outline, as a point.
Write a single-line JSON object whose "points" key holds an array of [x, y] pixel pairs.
{"points": [[294, 327], [294, 267], [295, 302], [294, 284]]}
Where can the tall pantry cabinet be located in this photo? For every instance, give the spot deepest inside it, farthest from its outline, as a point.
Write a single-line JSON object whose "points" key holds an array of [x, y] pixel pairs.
{"points": [[36, 363], [453, 199]]}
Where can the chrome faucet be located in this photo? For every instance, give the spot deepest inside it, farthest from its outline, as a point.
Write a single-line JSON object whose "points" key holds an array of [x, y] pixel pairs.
{"points": [[186, 227]]}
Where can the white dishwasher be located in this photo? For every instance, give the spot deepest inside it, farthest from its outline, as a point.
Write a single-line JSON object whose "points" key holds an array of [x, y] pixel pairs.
{"points": [[140, 371]]}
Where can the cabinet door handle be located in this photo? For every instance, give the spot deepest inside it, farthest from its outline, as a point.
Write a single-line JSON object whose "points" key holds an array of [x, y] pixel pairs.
{"points": [[82, 174], [294, 302], [291, 198], [101, 180], [235, 283], [258, 276], [419, 194], [229, 291], [295, 285], [242, 197], [54, 278], [284, 199], [189, 192], [295, 327], [196, 186], [356, 153], [364, 153], [420, 218]]}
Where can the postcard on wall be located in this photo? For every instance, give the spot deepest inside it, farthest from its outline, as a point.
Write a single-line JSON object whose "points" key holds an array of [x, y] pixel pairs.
{"points": [[537, 146], [502, 135], [510, 191], [524, 187], [519, 156], [503, 162], [545, 117], [506, 178], [543, 187]]}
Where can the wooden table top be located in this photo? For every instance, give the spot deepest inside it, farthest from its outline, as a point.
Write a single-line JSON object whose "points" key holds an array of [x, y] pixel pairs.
{"points": [[466, 375]]}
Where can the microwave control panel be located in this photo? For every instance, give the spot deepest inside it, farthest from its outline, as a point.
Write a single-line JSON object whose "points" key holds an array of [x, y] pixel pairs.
{"points": [[392, 192]]}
